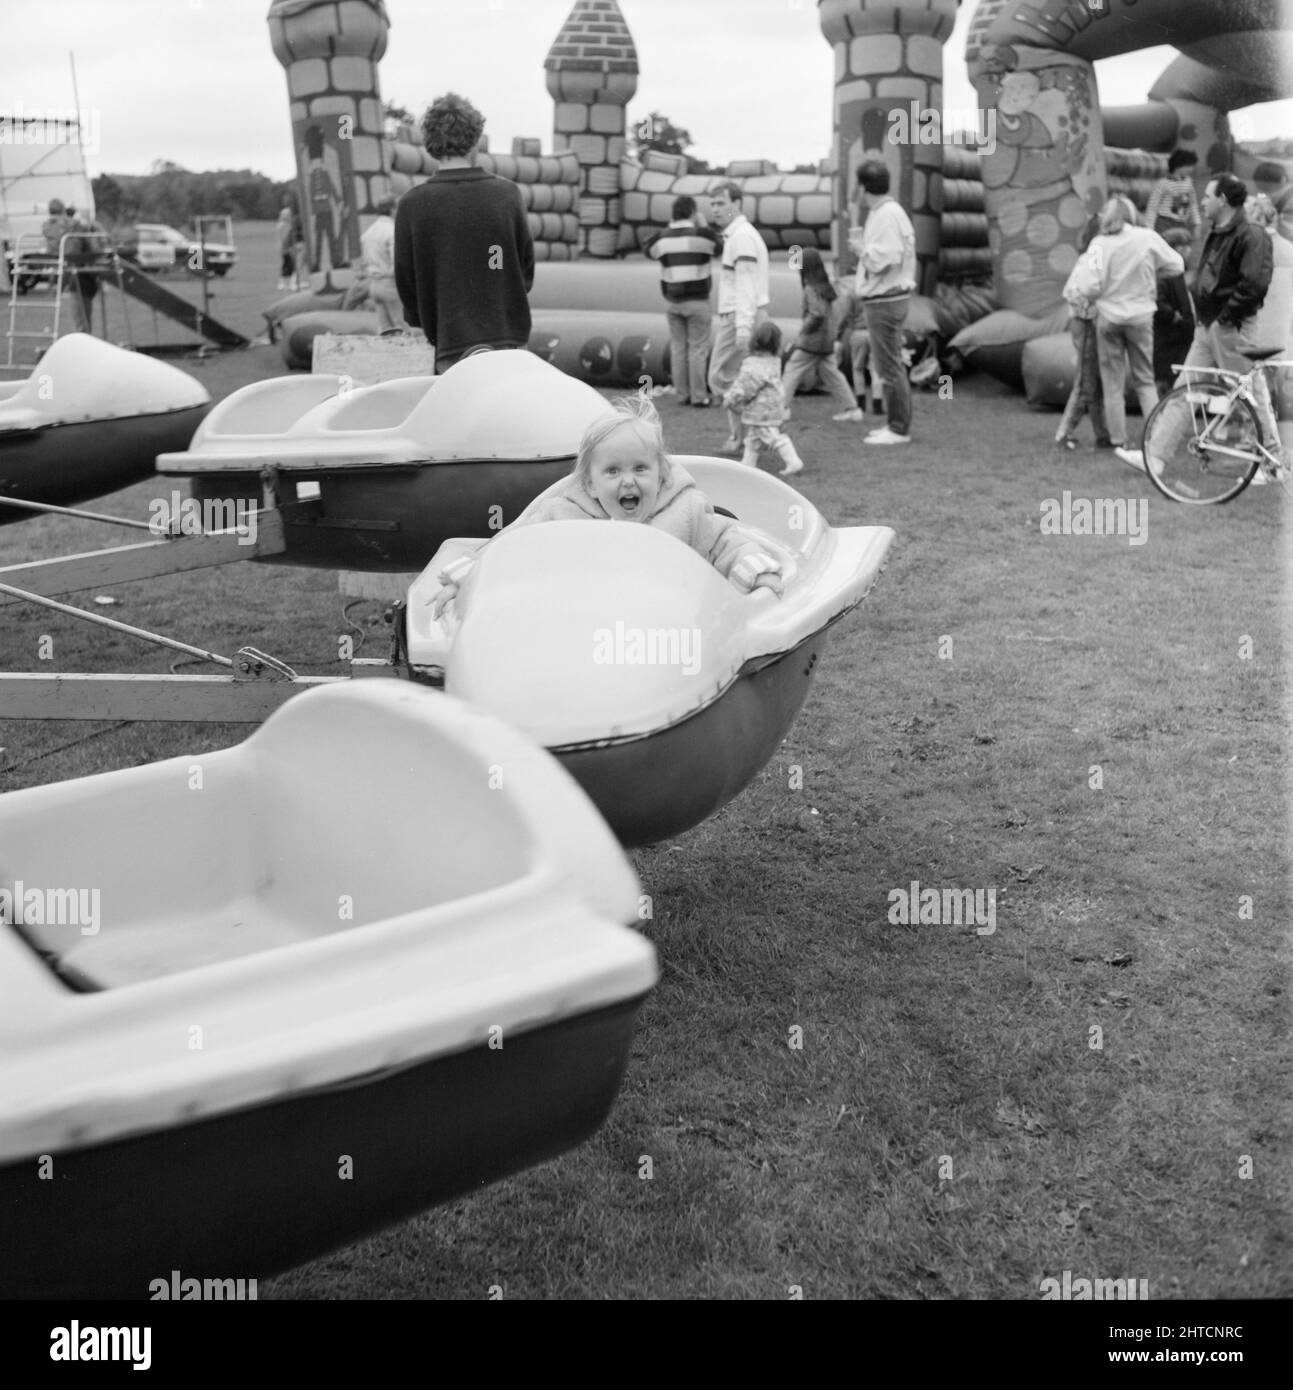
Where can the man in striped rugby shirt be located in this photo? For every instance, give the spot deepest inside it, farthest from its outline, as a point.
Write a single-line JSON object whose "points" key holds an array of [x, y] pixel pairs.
{"points": [[685, 249]]}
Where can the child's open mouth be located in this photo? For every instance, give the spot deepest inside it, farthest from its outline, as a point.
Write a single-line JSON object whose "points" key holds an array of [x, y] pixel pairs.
{"points": [[629, 503]]}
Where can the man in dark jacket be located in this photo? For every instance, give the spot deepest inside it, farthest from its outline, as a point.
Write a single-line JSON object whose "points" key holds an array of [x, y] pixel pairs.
{"points": [[1235, 267], [1233, 277], [464, 257], [1231, 283]]}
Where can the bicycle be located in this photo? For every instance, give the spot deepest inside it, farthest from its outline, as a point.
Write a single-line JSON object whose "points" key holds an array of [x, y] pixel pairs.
{"points": [[1215, 457]]}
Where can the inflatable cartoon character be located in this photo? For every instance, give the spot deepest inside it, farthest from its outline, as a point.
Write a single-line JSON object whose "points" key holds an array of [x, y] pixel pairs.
{"points": [[1027, 154], [325, 203]]}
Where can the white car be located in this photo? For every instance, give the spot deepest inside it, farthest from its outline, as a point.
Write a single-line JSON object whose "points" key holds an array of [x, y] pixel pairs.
{"points": [[155, 246]]}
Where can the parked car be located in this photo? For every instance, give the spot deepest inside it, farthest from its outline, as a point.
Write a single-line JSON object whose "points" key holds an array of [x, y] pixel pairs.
{"points": [[153, 246]]}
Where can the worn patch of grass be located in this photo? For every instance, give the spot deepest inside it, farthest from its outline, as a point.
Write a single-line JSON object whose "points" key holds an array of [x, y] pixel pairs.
{"points": [[947, 1128]]}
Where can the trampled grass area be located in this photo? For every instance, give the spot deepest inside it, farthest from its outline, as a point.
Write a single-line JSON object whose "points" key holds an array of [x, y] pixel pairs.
{"points": [[947, 1128]]}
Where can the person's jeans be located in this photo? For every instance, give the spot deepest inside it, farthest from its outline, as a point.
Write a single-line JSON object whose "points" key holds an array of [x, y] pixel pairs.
{"points": [[1119, 345], [690, 338], [884, 323], [1087, 394], [801, 364], [860, 351]]}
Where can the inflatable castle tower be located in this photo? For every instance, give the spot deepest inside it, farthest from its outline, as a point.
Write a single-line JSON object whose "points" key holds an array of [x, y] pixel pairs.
{"points": [[329, 50], [592, 73], [889, 66]]}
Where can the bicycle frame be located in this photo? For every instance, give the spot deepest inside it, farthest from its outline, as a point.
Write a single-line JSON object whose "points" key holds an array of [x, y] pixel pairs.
{"points": [[1240, 388]]}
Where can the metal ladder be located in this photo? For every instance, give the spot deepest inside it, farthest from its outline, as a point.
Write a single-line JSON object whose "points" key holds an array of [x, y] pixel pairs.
{"points": [[32, 263], [33, 260]]}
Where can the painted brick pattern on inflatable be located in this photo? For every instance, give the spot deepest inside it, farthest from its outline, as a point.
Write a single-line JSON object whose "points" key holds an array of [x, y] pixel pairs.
{"points": [[888, 55], [329, 52], [592, 73]]}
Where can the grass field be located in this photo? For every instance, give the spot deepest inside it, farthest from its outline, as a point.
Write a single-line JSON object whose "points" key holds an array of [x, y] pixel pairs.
{"points": [[1093, 729]]}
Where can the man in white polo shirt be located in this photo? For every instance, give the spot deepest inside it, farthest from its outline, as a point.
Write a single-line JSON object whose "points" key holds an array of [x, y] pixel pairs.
{"points": [[742, 295], [886, 281]]}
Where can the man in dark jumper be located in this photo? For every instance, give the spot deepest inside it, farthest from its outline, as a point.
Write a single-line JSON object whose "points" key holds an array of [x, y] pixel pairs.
{"points": [[464, 257]]}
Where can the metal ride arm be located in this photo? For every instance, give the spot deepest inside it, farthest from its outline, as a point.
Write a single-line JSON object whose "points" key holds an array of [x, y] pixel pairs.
{"points": [[117, 565], [257, 685]]}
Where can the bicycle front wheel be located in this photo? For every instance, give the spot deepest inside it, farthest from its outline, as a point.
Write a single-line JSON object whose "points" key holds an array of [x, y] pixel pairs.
{"points": [[1201, 447]]}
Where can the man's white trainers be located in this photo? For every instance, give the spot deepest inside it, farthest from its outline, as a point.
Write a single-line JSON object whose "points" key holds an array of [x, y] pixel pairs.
{"points": [[887, 436], [849, 415]]}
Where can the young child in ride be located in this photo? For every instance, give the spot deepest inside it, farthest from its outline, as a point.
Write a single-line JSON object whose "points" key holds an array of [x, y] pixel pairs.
{"points": [[622, 473]]}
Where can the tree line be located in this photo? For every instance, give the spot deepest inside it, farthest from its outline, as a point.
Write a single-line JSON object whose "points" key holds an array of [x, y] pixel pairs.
{"points": [[175, 195], [172, 194]]}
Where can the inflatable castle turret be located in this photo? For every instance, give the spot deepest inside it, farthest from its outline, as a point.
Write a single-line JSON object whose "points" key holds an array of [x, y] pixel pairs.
{"points": [[888, 93], [330, 50], [592, 74]]}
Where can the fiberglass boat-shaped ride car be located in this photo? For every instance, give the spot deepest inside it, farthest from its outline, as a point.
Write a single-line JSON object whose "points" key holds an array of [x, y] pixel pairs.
{"points": [[255, 1004], [90, 419], [656, 683], [400, 467]]}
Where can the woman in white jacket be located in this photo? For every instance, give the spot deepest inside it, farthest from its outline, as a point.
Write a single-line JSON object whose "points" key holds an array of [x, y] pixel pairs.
{"points": [[1119, 272]]}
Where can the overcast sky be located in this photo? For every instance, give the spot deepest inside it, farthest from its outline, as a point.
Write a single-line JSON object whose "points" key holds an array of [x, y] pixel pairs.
{"points": [[195, 81]]}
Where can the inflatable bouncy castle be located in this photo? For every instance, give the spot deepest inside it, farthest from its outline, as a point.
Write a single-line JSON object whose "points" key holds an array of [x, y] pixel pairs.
{"points": [[1045, 167], [999, 199]]}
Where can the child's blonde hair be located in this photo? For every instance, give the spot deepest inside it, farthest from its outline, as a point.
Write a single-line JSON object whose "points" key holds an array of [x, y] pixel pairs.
{"points": [[634, 411], [1117, 213]]}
